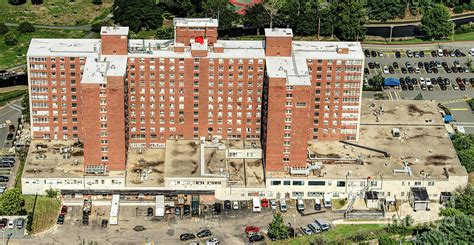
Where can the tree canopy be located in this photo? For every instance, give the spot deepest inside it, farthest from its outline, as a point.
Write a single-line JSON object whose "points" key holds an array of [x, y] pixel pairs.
{"points": [[464, 145], [138, 14], [11, 202], [349, 19], [278, 228], [257, 17], [436, 23], [384, 10], [222, 10]]}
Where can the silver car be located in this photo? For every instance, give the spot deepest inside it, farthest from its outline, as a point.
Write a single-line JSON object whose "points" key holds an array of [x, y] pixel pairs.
{"points": [[314, 227], [306, 230]]}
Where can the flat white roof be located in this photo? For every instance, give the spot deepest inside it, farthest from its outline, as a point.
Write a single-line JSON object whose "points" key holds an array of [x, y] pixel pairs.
{"points": [[327, 50], [41, 47], [98, 68], [114, 30], [195, 22], [278, 32], [294, 69]]}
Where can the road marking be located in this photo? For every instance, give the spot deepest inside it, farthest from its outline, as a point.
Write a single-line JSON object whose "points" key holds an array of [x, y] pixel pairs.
{"points": [[17, 106], [6, 113], [458, 109], [390, 96], [14, 108]]}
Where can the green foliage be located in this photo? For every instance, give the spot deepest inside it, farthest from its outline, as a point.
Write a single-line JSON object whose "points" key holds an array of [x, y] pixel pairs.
{"points": [[386, 240], [464, 200], [26, 27], [471, 104], [3, 29], [222, 10], [458, 9], [11, 202], [182, 8], [256, 16], [10, 39], [51, 193], [435, 22], [11, 95], [450, 212], [97, 2], [138, 14], [300, 15], [349, 19], [456, 230], [377, 82], [36, 2], [464, 145], [16, 2], [384, 10], [278, 228], [25, 103], [164, 33]]}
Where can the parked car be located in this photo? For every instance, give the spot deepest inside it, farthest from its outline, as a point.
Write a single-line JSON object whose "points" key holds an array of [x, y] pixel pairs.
{"points": [[235, 205], [323, 224], [217, 209], [306, 230], [273, 204], [256, 238], [186, 209], [149, 211], [395, 65], [104, 223], [3, 223], [20, 223], [4, 179], [6, 165], [251, 229], [397, 54], [204, 233], [227, 204], [265, 203], [367, 53], [314, 227], [385, 70], [60, 220], [63, 210], [186, 237], [371, 65], [283, 207], [373, 53], [212, 241], [11, 224]]}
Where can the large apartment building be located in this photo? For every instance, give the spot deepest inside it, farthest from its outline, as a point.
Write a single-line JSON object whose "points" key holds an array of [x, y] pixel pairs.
{"points": [[116, 94]]}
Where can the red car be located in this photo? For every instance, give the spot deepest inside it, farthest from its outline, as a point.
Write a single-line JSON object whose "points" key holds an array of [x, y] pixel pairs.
{"points": [[64, 210], [251, 229], [265, 203]]}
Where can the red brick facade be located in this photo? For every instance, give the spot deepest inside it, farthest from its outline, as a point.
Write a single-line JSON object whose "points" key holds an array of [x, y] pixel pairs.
{"points": [[189, 97]]}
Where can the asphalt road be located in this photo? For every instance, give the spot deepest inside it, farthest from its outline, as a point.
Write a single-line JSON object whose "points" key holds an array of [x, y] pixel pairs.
{"points": [[9, 112]]}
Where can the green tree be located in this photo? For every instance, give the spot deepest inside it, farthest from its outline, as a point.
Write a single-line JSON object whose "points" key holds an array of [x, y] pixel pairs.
{"points": [[11, 202], [164, 33], [435, 22], [3, 29], [273, 7], [450, 212], [10, 39], [222, 10], [301, 15], [25, 103], [464, 145], [377, 82], [350, 19], [456, 230], [182, 8], [138, 14], [278, 228], [26, 27], [36, 2], [97, 2], [256, 16], [384, 10], [464, 200]]}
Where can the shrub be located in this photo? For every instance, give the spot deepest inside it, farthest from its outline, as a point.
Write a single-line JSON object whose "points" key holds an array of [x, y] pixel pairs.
{"points": [[36, 2], [3, 29], [16, 2], [458, 9], [25, 27], [97, 2], [10, 39]]}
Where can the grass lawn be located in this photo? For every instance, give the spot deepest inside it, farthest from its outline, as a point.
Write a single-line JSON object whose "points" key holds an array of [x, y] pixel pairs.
{"points": [[55, 12], [11, 95], [45, 211], [340, 233], [16, 55]]}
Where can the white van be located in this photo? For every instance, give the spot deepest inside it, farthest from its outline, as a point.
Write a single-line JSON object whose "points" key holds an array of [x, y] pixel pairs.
{"points": [[256, 205], [283, 207], [300, 205], [327, 201], [317, 204], [440, 52]]}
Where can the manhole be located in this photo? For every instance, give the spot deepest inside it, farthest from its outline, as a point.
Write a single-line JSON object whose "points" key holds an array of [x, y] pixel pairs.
{"points": [[139, 228]]}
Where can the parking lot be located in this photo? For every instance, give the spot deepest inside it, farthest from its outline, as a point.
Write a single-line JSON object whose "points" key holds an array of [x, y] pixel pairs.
{"points": [[12, 230], [228, 228], [8, 168], [423, 69]]}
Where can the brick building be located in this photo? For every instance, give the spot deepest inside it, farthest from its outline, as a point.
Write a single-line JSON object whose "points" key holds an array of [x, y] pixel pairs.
{"points": [[116, 94]]}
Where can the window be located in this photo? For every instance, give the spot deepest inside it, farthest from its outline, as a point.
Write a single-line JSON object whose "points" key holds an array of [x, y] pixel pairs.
{"points": [[300, 104], [341, 183], [286, 182], [430, 183], [276, 182], [417, 183], [315, 182], [298, 182]]}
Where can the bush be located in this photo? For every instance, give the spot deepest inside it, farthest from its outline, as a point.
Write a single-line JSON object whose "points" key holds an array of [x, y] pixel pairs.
{"points": [[36, 2], [16, 2], [10, 39], [97, 2], [51, 193], [458, 9], [25, 27], [3, 29], [469, 7]]}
